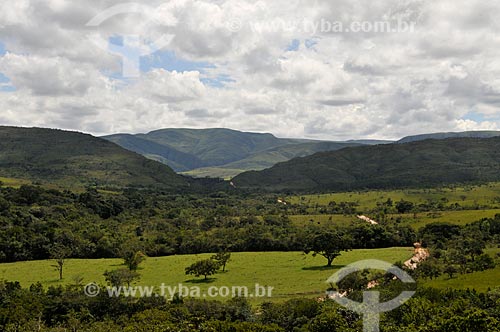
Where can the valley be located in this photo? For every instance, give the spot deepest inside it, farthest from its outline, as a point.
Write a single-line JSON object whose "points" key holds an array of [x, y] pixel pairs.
{"points": [[86, 211]]}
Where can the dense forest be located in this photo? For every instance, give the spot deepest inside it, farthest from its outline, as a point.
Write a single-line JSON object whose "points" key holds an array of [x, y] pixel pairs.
{"points": [[94, 224]]}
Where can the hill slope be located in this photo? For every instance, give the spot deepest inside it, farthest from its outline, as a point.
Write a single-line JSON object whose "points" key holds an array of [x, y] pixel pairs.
{"points": [[219, 152], [465, 134], [72, 159], [418, 164], [180, 161]]}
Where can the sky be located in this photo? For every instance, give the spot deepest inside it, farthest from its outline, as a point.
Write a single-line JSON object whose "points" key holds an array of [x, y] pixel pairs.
{"points": [[322, 69]]}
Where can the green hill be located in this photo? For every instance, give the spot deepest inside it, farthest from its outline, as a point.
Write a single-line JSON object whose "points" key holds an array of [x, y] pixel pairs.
{"points": [[71, 159], [188, 149], [219, 152], [418, 164], [180, 161]]}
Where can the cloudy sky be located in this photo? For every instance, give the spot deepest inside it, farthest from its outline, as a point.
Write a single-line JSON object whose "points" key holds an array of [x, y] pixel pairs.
{"points": [[296, 68]]}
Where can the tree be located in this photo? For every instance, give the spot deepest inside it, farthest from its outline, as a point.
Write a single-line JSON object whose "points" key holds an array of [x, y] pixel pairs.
{"points": [[222, 258], [472, 246], [404, 206], [59, 253], [121, 277], [132, 259], [483, 262], [430, 269], [450, 270], [327, 243], [4, 204], [204, 268]]}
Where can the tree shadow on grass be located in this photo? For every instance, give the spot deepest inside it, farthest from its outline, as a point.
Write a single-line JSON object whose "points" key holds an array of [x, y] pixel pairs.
{"points": [[201, 281], [56, 282], [322, 268]]}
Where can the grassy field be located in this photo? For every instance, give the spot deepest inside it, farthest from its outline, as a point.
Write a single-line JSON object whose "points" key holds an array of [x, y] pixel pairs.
{"points": [[422, 219], [14, 183], [452, 217], [214, 172], [324, 219], [292, 274], [488, 194], [473, 199]]}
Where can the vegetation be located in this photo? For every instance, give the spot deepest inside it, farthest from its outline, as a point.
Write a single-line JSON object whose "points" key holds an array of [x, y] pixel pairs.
{"points": [[206, 267], [219, 152], [293, 274], [67, 308], [423, 164], [327, 243], [222, 258], [94, 224], [133, 258], [121, 277], [59, 253], [123, 208], [75, 160], [470, 134]]}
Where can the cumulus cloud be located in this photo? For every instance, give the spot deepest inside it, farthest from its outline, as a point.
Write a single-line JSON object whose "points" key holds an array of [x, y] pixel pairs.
{"points": [[330, 85]]}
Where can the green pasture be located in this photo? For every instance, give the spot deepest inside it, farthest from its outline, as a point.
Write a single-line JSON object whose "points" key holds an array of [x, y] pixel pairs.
{"points": [[291, 274]]}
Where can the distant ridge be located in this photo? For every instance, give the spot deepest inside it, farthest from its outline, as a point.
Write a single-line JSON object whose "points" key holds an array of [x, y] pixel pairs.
{"points": [[465, 134], [220, 152], [425, 163]]}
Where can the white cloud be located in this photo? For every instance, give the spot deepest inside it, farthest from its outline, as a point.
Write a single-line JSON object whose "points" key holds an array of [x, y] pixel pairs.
{"points": [[344, 85]]}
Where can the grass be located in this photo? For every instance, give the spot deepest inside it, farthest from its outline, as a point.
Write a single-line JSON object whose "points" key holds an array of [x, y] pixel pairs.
{"points": [[469, 196], [324, 219], [292, 274], [214, 172], [480, 281], [14, 183], [453, 217], [422, 219]]}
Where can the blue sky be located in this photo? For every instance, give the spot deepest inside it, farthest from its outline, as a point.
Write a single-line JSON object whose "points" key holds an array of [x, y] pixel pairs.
{"points": [[474, 117], [168, 60], [4, 79], [478, 117], [294, 45]]}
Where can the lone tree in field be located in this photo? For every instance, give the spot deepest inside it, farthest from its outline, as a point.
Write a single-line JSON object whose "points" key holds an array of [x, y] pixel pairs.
{"points": [[59, 253], [204, 268], [222, 258], [121, 277], [132, 258], [327, 243]]}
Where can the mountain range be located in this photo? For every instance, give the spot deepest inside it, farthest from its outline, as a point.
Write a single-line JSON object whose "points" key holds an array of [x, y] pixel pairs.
{"points": [[221, 152], [225, 153], [71, 159]]}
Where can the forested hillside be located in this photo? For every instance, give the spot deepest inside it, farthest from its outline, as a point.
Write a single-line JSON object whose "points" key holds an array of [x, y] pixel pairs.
{"points": [[419, 164], [71, 159]]}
